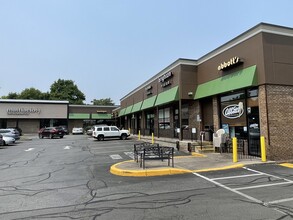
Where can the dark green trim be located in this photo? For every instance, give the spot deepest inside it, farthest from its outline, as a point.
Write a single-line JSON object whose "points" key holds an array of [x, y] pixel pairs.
{"points": [[237, 80], [168, 96]]}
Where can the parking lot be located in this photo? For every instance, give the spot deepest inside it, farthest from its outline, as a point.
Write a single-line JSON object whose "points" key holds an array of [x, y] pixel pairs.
{"points": [[69, 178]]}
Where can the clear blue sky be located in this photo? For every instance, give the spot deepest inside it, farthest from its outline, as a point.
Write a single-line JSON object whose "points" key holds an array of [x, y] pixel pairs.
{"points": [[108, 47]]}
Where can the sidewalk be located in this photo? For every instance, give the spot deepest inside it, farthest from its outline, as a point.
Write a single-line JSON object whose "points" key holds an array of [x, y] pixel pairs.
{"points": [[182, 164]]}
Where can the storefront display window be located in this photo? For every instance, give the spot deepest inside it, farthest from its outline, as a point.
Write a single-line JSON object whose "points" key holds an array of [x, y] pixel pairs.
{"points": [[164, 118]]}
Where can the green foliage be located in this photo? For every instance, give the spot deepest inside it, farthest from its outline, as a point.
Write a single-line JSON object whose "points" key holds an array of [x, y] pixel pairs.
{"points": [[66, 90], [31, 93], [11, 95], [107, 101]]}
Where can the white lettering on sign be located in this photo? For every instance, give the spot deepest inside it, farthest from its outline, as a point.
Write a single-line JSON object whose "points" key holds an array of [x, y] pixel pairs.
{"points": [[231, 62], [233, 111], [23, 111], [165, 76]]}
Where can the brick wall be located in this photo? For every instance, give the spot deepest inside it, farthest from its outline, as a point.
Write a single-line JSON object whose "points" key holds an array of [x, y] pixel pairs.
{"points": [[280, 120]]}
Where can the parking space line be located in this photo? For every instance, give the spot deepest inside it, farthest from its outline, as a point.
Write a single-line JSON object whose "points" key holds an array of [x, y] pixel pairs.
{"points": [[264, 185], [233, 177], [230, 189], [280, 201], [246, 168]]}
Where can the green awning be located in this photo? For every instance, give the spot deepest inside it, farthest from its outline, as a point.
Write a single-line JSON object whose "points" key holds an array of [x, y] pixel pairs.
{"points": [[237, 80], [136, 107], [168, 96], [101, 116], [79, 116], [148, 103], [128, 110], [122, 112]]}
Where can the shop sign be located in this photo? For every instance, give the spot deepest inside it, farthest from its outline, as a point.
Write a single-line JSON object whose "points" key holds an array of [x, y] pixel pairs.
{"points": [[165, 79], [233, 111], [23, 111], [233, 61], [148, 90]]}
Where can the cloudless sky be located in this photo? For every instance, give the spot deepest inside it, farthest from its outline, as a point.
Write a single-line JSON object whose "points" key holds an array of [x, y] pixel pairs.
{"points": [[110, 47]]}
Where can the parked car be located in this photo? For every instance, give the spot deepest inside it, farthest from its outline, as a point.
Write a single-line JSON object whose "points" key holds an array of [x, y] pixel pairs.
{"points": [[10, 133], [102, 132], [8, 140], [65, 129], [51, 132], [1, 140], [77, 130], [18, 129]]}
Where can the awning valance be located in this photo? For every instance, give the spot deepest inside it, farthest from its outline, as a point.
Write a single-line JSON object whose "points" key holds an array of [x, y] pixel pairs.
{"points": [[136, 107], [79, 116], [148, 103], [122, 112], [168, 96], [237, 80], [128, 110], [101, 116]]}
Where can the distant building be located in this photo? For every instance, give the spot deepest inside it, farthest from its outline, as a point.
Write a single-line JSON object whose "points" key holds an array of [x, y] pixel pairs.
{"points": [[31, 115]]}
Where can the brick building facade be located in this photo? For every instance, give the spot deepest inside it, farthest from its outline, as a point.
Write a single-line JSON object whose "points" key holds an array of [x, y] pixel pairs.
{"points": [[244, 86]]}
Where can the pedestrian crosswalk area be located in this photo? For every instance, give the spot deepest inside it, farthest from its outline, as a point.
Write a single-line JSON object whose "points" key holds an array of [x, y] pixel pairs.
{"points": [[259, 187]]}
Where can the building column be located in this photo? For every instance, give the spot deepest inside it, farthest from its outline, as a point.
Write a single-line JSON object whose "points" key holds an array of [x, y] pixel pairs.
{"points": [[216, 114]]}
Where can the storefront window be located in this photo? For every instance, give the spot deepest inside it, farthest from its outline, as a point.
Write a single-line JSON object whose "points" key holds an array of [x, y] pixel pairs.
{"points": [[185, 116], [164, 118], [232, 97]]}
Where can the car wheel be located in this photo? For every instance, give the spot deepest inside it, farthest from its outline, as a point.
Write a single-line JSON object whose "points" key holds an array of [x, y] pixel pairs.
{"points": [[100, 138], [123, 137], [4, 143], [61, 136], [40, 136]]}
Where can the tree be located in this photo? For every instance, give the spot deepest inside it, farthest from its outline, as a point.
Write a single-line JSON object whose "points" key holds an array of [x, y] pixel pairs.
{"points": [[66, 90], [11, 95], [107, 101], [32, 93]]}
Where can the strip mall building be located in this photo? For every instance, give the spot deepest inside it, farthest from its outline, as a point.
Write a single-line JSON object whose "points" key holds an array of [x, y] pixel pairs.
{"points": [[245, 87], [31, 115]]}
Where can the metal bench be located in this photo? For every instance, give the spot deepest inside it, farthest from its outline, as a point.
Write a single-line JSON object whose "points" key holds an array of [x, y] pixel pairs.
{"points": [[157, 153]]}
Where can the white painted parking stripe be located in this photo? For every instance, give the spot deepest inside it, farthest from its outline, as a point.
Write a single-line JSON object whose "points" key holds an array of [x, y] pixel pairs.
{"points": [[129, 154], [233, 177], [280, 201], [263, 185], [115, 156], [246, 168], [230, 189]]}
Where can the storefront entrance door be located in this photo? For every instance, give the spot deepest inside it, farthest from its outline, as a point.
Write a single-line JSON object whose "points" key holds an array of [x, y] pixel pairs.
{"points": [[253, 132]]}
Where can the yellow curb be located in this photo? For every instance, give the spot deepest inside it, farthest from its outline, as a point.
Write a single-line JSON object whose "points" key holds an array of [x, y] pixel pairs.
{"points": [[164, 171], [219, 168], [289, 165], [143, 173]]}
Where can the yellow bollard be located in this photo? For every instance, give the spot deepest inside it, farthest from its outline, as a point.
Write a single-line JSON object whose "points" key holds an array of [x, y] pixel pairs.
{"points": [[235, 153], [138, 134], [153, 139], [263, 149]]}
